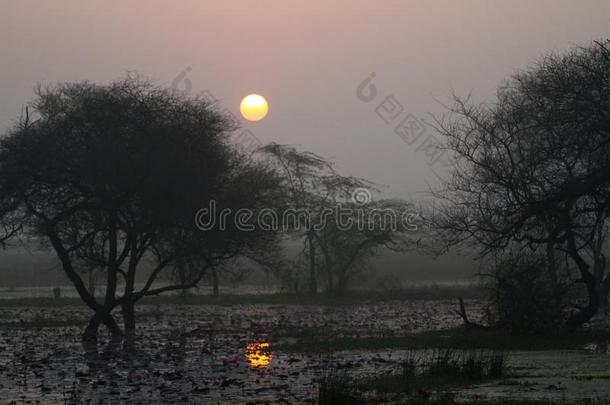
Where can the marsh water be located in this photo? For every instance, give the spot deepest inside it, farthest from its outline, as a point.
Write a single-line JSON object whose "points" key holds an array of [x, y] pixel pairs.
{"points": [[229, 354]]}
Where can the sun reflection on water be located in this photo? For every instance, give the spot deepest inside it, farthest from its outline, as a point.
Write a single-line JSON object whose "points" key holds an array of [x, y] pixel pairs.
{"points": [[258, 354]]}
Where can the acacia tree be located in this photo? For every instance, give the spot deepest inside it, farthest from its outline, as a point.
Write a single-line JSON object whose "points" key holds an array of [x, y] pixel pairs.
{"points": [[315, 193], [10, 226], [305, 180], [532, 170], [251, 186], [112, 176], [375, 226]]}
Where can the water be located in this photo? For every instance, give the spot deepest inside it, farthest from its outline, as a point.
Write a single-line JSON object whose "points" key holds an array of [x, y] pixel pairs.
{"points": [[220, 354]]}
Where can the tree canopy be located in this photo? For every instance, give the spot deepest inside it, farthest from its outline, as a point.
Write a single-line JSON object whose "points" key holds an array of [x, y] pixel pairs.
{"points": [[533, 168], [112, 176]]}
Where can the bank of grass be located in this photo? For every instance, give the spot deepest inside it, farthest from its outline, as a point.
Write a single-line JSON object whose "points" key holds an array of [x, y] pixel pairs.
{"points": [[42, 323], [421, 380], [40, 302], [310, 341], [430, 380], [398, 389], [432, 292]]}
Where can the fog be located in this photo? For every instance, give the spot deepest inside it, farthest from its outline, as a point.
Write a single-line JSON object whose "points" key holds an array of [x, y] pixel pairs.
{"points": [[422, 214], [306, 58]]}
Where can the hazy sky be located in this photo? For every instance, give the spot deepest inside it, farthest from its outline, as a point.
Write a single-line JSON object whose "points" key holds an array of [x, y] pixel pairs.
{"points": [[306, 58]]}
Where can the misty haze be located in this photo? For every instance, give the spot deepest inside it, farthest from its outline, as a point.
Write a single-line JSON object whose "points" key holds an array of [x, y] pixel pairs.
{"points": [[225, 202]]}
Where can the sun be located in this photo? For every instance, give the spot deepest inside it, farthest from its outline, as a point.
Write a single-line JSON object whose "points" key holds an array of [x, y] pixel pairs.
{"points": [[254, 107]]}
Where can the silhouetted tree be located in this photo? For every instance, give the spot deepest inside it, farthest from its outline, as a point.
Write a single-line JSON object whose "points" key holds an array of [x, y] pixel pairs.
{"points": [[112, 176], [376, 226], [533, 169], [316, 194], [306, 183]]}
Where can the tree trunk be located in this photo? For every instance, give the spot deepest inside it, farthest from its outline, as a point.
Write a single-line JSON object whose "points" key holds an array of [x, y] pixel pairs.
{"points": [[91, 286], [129, 318], [182, 278], [585, 314], [313, 282], [129, 323], [342, 282], [600, 274], [329, 270], [215, 283], [328, 264], [91, 331], [467, 323], [604, 292], [103, 316], [552, 264], [331, 286]]}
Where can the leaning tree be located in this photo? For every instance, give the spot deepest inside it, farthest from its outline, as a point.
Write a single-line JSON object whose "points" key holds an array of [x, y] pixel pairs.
{"points": [[348, 243], [112, 176], [532, 170], [308, 184], [341, 227]]}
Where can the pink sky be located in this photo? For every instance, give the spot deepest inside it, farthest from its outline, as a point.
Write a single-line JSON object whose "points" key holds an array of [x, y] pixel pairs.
{"points": [[307, 58]]}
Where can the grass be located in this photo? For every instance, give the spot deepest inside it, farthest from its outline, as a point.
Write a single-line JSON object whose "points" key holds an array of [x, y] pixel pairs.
{"points": [[40, 302], [337, 390], [42, 323], [430, 380], [348, 297], [310, 342], [421, 380]]}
